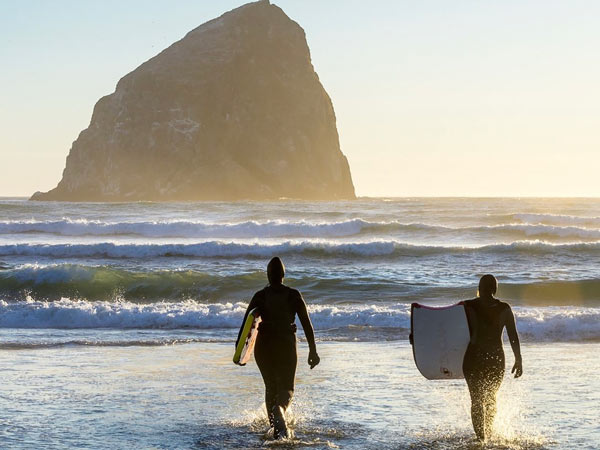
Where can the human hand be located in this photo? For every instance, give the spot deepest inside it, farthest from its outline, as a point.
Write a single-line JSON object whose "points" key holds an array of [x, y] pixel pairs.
{"points": [[517, 368], [313, 359]]}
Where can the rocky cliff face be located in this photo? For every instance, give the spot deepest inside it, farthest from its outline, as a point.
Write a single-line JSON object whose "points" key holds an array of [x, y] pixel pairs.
{"points": [[232, 111]]}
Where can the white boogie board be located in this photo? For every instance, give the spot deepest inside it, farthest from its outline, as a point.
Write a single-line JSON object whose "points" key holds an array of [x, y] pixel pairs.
{"points": [[440, 337]]}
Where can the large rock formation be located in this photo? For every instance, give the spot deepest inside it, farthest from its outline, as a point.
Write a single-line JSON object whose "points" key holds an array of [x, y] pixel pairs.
{"points": [[232, 111]]}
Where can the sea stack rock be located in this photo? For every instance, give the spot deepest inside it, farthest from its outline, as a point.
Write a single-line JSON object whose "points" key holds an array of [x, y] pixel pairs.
{"points": [[232, 111]]}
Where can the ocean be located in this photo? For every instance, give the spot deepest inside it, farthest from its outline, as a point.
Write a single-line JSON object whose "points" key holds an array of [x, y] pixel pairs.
{"points": [[117, 321]]}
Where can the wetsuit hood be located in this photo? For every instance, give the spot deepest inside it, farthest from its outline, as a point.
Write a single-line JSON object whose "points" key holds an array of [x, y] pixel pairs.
{"points": [[488, 285], [275, 271]]}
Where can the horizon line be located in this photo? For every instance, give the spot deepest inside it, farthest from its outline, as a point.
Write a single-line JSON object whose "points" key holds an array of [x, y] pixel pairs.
{"points": [[358, 197]]}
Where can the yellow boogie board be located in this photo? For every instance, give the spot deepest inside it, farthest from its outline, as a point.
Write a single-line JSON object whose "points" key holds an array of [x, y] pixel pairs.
{"points": [[245, 345]]}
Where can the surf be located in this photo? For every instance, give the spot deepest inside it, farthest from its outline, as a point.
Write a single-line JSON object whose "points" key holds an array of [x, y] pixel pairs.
{"points": [[221, 249], [334, 322], [522, 226], [146, 285]]}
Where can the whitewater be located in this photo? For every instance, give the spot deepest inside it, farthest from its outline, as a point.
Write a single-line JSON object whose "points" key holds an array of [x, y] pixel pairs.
{"points": [[156, 292], [358, 263]]}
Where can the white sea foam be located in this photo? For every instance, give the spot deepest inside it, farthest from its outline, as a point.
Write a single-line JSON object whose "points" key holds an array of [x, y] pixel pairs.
{"points": [[535, 324], [558, 219], [203, 249], [248, 229], [546, 230], [303, 229], [320, 248], [558, 323], [67, 313]]}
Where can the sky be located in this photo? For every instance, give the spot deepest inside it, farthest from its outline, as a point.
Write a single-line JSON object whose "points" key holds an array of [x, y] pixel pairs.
{"points": [[432, 98]]}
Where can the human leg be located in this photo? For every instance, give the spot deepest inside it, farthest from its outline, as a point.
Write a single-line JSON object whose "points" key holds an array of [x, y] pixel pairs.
{"points": [[286, 376], [478, 410], [265, 363], [493, 382], [472, 371], [284, 381]]}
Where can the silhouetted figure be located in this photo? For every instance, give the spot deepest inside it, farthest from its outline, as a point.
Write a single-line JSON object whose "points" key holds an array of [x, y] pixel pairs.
{"points": [[275, 349], [483, 365]]}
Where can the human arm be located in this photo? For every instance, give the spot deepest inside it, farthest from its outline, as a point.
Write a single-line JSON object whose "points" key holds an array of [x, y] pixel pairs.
{"points": [[301, 310], [513, 337], [473, 324]]}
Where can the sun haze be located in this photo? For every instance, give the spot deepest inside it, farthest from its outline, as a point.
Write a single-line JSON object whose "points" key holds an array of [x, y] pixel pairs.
{"points": [[474, 99]]}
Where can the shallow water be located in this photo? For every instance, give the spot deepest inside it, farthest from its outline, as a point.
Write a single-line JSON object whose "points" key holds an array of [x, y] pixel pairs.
{"points": [[363, 395]]}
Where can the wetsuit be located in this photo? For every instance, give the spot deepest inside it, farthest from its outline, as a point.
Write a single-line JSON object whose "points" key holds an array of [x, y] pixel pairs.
{"points": [[275, 348], [483, 364]]}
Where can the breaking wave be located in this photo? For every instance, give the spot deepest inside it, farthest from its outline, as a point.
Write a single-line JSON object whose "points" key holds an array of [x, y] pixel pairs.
{"points": [[249, 229], [379, 248], [104, 282], [557, 219], [527, 225], [535, 324]]}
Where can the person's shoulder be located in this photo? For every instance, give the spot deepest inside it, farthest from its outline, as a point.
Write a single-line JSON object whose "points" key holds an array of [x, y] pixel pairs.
{"points": [[294, 293], [505, 306], [259, 294], [262, 291], [469, 303]]}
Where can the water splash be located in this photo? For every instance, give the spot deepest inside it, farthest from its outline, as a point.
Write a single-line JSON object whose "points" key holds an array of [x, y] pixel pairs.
{"points": [[512, 430]]}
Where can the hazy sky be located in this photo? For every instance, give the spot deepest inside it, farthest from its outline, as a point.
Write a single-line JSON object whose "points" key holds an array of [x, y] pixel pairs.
{"points": [[432, 97]]}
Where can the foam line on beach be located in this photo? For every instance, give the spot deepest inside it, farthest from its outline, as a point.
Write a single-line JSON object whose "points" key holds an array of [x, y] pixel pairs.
{"points": [[50, 344]]}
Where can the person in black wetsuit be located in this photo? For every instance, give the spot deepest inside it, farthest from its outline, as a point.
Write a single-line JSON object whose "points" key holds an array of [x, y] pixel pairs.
{"points": [[275, 348], [483, 364]]}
